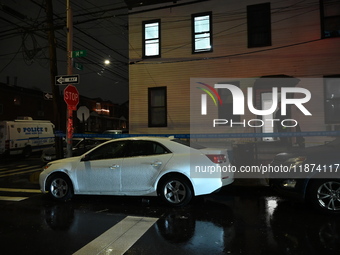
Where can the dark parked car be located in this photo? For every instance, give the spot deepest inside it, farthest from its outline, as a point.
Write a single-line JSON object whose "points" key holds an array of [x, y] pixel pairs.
{"points": [[311, 174], [79, 147]]}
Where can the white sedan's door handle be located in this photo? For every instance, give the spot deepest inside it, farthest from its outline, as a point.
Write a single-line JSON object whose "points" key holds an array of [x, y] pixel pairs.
{"points": [[156, 163], [115, 166]]}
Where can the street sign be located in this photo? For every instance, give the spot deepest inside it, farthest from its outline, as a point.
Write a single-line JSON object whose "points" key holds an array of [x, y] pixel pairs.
{"points": [[71, 97], [78, 66], [67, 79], [48, 96], [83, 113], [79, 53]]}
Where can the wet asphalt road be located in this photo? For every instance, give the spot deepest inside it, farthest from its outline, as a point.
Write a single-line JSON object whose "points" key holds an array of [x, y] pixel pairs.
{"points": [[241, 219]]}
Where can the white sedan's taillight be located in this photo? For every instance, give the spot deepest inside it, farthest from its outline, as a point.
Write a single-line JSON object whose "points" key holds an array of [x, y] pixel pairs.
{"points": [[217, 158]]}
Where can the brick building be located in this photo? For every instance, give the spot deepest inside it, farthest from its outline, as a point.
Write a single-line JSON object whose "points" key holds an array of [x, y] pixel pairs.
{"points": [[175, 44]]}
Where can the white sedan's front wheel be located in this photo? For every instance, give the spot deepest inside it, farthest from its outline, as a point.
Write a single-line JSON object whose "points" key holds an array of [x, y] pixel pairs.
{"points": [[60, 187], [175, 191]]}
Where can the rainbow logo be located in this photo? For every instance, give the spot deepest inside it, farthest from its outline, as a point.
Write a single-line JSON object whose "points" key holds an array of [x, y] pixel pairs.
{"points": [[211, 92]]}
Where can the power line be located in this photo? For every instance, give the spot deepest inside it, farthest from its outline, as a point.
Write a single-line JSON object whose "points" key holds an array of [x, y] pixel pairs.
{"points": [[295, 6], [11, 60], [227, 56], [93, 38]]}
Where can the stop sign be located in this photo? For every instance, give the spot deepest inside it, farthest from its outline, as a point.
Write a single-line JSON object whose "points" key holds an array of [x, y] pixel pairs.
{"points": [[71, 96]]}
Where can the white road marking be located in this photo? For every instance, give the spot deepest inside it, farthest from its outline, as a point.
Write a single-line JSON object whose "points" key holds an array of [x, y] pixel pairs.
{"points": [[15, 199], [22, 172], [9, 169], [20, 190], [118, 239]]}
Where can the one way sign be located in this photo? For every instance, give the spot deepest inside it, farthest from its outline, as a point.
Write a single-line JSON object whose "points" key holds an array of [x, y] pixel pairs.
{"points": [[48, 96], [67, 79]]}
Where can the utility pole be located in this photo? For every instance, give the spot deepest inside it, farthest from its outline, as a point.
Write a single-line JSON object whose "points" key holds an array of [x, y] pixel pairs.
{"points": [[69, 120], [53, 73]]}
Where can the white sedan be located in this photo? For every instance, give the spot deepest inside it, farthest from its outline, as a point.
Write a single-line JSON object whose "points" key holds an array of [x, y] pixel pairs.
{"points": [[174, 170]]}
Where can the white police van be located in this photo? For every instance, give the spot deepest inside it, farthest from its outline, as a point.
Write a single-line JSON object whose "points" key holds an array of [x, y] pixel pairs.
{"points": [[25, 135]]}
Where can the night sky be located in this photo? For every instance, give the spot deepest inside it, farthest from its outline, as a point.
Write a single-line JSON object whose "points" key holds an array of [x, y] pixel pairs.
{"points": [[100, 28]]}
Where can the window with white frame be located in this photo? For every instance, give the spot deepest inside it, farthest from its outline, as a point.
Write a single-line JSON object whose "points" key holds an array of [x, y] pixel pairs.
{"points": [[151, 38], [202, 32]]}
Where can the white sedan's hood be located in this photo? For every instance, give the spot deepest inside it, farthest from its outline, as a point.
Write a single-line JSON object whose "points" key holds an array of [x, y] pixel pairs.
{"points": [[66, 160]]}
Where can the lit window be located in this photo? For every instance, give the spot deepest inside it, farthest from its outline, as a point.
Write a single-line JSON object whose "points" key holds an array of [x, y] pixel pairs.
{"points": [[202, 32], [98, 106], [151, 38], [17, 100]]}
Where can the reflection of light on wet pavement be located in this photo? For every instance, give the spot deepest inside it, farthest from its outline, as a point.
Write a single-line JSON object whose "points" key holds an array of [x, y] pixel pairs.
{"points": [[194, 235], [271, 203], [207, 233]]}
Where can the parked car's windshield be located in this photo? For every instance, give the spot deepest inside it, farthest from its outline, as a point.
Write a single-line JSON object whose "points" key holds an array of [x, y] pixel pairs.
{"points": [[335, 142]]}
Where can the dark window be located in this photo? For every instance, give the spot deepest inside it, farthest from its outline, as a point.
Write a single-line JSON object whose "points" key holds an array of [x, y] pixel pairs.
{"points": [[225, 111], [151, 38], [1, 108], [259, 25], [157, 107], [332, 99], [330, 18], [40, 105], [86, 143], [201, 32], [145, 148], [108, 151]]}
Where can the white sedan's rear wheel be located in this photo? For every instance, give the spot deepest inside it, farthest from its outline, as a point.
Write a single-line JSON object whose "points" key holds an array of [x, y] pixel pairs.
{"points": [[175, 191]]}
